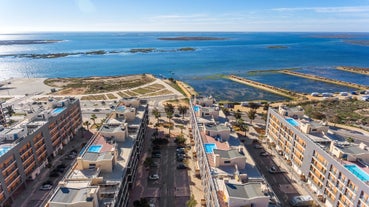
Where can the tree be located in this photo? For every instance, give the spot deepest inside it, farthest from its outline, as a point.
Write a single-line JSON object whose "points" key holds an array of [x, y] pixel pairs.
{"points": [[192, 202], [237, 115], [87, 124], [242, 125], [10, 110], [350, 139], [93, 118], [182, 110], [266, 107], [157, 114], [264, 116], [169, 110], [148, 161], [252, 115], [253, 105]]}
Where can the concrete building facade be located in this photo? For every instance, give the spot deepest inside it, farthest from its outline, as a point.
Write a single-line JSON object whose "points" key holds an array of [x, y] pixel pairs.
{"points": [[105, 169], [318, 160], [24, 149], [228, 174]]}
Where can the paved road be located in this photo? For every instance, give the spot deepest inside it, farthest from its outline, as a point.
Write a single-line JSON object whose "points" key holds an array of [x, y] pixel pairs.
{"points": [[357, 136], [280, 183], [167, 172]]}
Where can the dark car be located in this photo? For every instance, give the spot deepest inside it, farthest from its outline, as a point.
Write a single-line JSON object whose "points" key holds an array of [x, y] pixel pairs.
{"points": [[275, 170], [156, 155], [180, 159], [181, 166], [156, 147]]}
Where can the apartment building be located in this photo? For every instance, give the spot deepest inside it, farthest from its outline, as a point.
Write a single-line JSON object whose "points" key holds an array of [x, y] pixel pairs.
{"points": [[106, 167], [337, 171], [25, 146], [228, 173], [2, 116]]}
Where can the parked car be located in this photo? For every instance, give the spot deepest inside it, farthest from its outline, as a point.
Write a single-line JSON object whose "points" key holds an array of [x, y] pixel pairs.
{"points": [[275, 170], [257, 146], [156, 155], [46, 187], [264, 154], [154, 177], [154, 164], [180, 159], [181, 166]]}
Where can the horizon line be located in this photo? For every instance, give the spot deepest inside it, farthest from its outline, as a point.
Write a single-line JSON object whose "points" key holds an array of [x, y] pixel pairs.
{"points": [[167, 31]]}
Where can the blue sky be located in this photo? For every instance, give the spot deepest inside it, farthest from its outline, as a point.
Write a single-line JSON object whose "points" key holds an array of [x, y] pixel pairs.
{"points": [[184, 15]]}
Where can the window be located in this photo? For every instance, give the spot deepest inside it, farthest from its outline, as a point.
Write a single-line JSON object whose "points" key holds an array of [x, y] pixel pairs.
{"points": [[227, 161]]}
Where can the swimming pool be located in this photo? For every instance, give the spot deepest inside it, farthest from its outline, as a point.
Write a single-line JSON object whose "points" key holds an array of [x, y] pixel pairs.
{"points": [[94, 148], [209, 147], [196, 108], [58, 110], [358, 172], [292, 121], [4, 149]]}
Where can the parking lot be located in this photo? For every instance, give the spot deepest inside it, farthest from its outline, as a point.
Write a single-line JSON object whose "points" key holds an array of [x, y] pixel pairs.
{"points": [[172, 186]]}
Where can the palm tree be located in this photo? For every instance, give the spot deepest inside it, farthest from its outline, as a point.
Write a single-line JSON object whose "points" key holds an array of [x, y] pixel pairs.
{"points": [[243, 126], [10, 110], [192, 202], [87, 124], [156, 113], [237, 115], [93, 118], [252, 115], [182, 110], [169, 110]]}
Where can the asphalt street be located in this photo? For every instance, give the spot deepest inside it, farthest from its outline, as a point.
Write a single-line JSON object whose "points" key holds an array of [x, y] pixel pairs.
{"points": [[280, 183]]}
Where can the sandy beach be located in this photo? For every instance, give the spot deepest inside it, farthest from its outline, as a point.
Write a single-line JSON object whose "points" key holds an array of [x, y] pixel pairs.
{"points": [[23, 86]]}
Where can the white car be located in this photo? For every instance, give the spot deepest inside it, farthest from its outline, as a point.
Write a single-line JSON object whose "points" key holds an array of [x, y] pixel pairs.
{"points": [[46, 187], [154, 177]]}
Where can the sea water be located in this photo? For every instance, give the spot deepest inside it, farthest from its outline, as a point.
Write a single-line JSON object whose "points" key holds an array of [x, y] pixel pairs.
{"points": [[317, 53]]}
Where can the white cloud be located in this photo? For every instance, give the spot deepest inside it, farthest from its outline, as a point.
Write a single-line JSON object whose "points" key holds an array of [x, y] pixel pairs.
{"points": [[353, 9]]}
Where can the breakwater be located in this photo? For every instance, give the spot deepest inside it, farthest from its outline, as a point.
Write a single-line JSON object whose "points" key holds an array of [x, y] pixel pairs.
{"points": [[269, 88], [328, 80], [359, 70]]}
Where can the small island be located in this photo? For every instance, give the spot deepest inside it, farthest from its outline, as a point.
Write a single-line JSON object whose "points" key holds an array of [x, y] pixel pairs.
{"points": [[184, 49], [277, 47], [191, 38], [27, 42], [358, 42], [96, 52]]}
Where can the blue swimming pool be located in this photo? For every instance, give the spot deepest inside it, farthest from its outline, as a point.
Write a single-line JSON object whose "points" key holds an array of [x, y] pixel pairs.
{"points": [[196, 108], [292, 121], [4, 149], [210, 147], [354, 169], [94, 148], [58, 110]]}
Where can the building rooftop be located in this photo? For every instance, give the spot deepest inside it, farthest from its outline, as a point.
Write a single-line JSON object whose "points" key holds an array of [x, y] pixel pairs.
{"points": [[99, 148], [74, 195], [219, 127], [228, 154], [247, 190]]}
